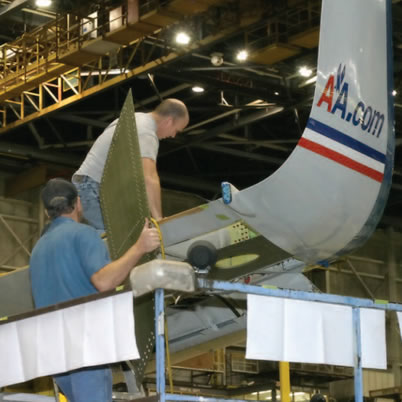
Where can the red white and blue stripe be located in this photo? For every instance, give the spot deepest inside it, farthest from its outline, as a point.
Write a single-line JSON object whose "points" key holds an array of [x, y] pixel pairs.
{"points": [[347, 151]]}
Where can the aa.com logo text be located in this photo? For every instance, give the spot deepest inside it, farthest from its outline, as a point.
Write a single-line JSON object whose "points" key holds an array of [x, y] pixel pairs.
{"points": [[335, 98]]}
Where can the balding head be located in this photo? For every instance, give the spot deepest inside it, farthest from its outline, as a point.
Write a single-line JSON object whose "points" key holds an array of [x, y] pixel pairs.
{"points": [[172, 108], [171, 117]]}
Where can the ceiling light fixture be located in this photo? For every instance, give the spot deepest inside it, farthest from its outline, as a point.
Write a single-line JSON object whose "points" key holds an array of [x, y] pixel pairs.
{"points": [[43, 3], [394, 93], [182, 38], [216, 59], [305, 71], [242, 55], [197, 88]]}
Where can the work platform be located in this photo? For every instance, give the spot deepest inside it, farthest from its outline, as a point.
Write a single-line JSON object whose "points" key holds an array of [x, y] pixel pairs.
{"points": [[208, 286]]}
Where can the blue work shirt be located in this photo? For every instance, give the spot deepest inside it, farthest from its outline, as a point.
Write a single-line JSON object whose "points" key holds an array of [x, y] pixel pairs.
{"points": [[63, 261]]}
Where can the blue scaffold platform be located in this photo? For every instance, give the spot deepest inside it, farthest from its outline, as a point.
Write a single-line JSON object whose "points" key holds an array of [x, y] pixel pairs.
{"points": [[208, 285]]}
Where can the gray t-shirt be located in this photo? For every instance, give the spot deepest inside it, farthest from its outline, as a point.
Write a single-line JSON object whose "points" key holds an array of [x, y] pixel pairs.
{"points": [[95, 160]]}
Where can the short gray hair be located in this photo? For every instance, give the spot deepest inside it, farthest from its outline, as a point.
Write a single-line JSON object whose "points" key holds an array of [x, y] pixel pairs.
{"points": [[172, 108]]}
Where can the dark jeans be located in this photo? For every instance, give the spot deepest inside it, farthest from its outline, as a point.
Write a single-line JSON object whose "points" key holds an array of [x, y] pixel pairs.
{"points": [[91, 384]]}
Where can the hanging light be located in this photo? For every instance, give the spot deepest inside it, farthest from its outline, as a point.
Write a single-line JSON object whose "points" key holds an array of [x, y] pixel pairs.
{"points": [[182, 38], [197, 88], [242, 55], [305, 71], [43, 3]]}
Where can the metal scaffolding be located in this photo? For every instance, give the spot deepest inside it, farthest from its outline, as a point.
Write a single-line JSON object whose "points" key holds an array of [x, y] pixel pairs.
{"points": [[76, 55], [209, 285]]}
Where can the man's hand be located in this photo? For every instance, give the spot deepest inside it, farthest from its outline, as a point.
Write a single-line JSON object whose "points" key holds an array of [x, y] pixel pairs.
{"points": [[114, 273], [149, 238]]}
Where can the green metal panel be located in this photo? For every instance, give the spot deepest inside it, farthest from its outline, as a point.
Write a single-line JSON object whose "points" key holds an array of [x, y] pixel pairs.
{"points": [[122, 192], [124, 207], [247, 256]]}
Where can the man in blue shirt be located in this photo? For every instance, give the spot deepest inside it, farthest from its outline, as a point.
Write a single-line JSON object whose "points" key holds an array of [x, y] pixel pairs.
{"points": [[70, 260]]}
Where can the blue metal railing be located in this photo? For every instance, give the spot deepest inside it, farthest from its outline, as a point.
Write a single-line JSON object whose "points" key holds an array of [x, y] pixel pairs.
{"points": [[219, 286]]}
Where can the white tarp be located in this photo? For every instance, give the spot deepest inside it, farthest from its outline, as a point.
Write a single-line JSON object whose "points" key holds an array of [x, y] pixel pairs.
{"points": [[21, 397], [399, 315], [88, 334], [311, 332]]}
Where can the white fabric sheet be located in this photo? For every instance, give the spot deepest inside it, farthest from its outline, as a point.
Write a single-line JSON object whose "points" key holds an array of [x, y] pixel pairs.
{"points": [[372, 325], [399, 315], [92, 333], [20, 397], [310, 332]]}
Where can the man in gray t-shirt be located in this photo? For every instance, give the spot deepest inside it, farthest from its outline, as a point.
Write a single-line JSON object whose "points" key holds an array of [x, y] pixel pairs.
{"points": [[169, 118]]}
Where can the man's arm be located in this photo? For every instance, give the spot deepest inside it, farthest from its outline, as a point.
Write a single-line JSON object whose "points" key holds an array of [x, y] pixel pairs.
{"points": [[153, 187], [114, 273]]}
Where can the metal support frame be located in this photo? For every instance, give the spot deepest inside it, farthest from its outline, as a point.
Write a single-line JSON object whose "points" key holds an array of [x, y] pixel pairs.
{"points": [[57, 65], [219, 286], [16, 239]]}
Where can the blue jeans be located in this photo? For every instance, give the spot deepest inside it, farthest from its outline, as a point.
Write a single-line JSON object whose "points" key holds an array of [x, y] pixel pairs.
{"points": [[91, 384], [88, 190]]}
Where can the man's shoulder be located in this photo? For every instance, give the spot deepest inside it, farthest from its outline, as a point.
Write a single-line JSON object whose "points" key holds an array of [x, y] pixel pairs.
{"points": [[79, 228], [86, 229], [145, 120], [82, 236]]}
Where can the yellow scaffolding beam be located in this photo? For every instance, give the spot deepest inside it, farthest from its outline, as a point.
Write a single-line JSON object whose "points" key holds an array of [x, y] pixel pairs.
{"points": [[74, 40], [72, 84], [71, 57]]}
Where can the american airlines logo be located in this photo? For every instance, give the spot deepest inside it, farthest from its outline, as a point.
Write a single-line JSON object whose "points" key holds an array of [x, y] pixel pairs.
{"points": [[331, 142], [335, 98]]}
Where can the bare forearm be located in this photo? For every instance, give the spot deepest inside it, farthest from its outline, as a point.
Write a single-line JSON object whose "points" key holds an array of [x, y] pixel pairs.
{"points": [[153, 188], [114, 273]]}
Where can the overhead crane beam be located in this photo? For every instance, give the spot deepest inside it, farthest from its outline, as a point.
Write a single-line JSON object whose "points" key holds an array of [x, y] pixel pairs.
{"points": [[73, 40], [54, 88], [15, 5]]}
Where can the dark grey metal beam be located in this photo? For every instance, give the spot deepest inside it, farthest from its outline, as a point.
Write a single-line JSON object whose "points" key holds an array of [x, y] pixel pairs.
{"points": [[190, 182], [80, 120], [242, 154], [12, 7], [233, 124], [14, 150]]}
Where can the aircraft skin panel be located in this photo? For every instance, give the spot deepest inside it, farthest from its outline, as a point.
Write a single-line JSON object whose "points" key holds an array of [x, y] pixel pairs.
{"points": [[122, 191], [196, 222], [124, 207], [311, 219], [320, 200], [378, 209], [328, 197]]}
